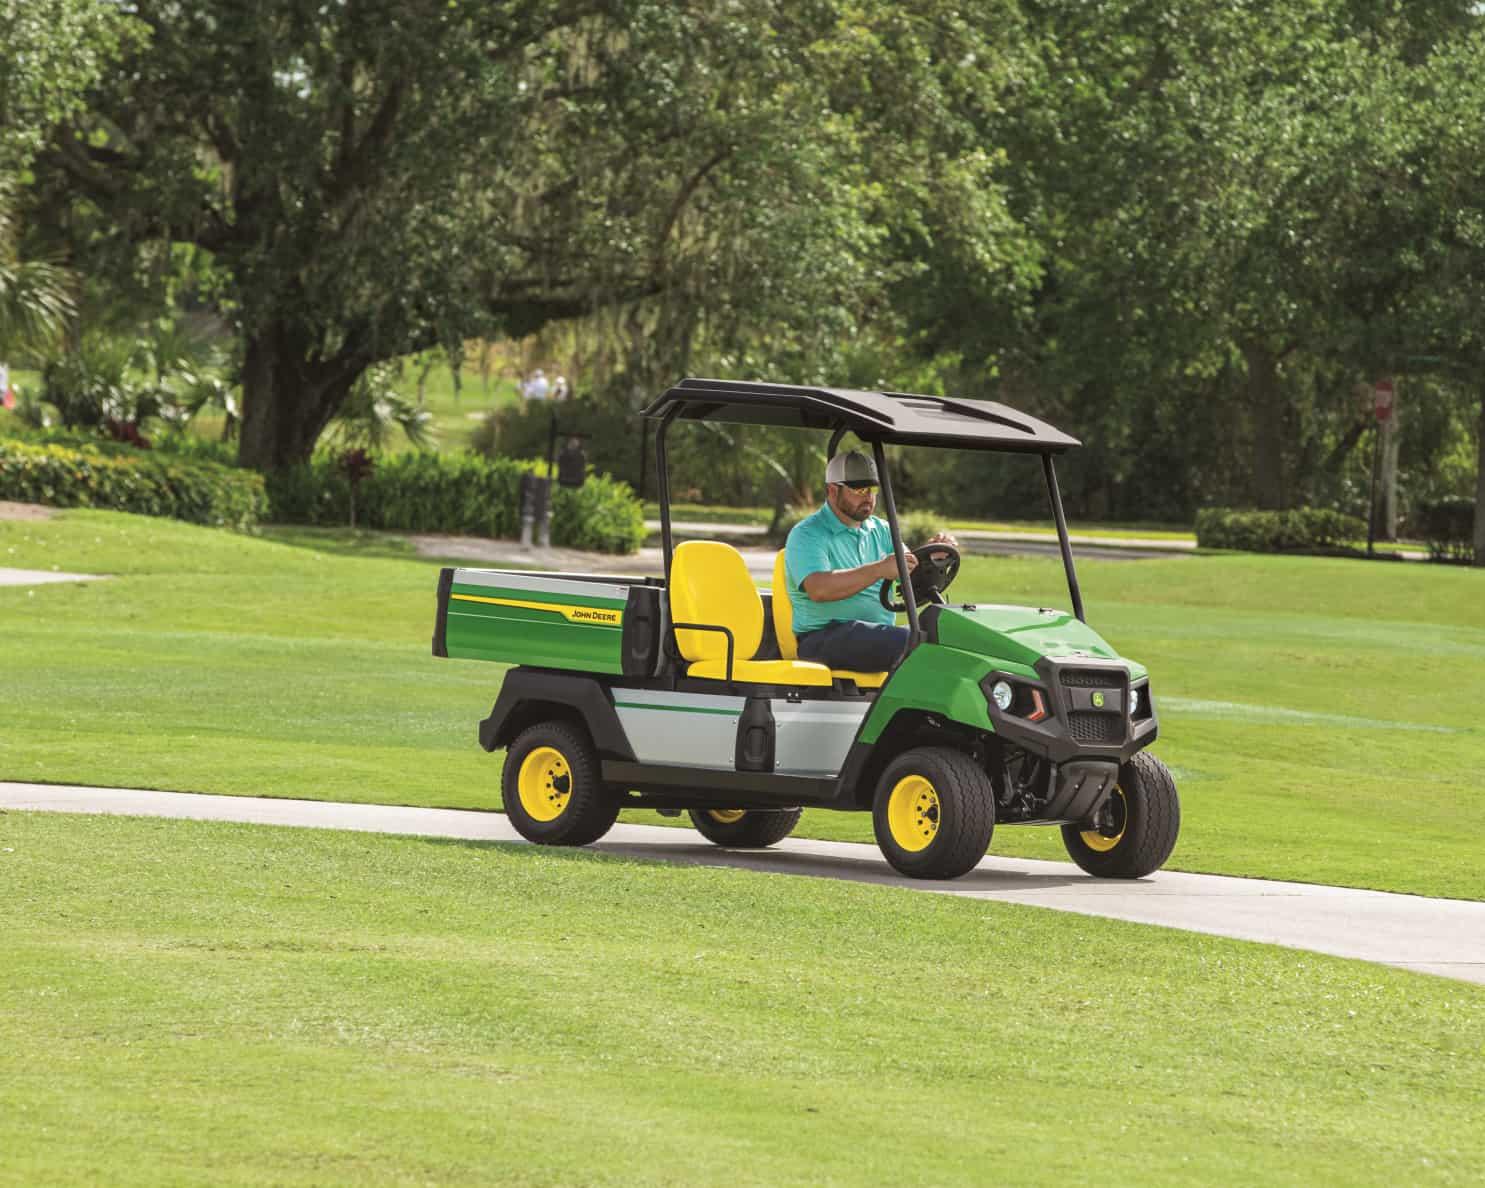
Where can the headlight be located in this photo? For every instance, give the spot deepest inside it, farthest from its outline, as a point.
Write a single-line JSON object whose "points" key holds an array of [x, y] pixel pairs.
{"points": [[1134, 702], [1003, 694]]}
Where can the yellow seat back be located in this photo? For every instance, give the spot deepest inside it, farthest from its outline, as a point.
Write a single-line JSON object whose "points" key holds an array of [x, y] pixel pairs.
{"points": [[710, 584], [783, 610]]}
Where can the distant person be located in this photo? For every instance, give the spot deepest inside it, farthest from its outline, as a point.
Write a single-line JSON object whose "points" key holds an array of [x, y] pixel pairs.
{"points": [[536, 387], [559, 388], [836, 561]]}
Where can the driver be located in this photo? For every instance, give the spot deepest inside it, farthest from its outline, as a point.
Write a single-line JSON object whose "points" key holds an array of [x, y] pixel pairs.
{"points": [[835, 561]]}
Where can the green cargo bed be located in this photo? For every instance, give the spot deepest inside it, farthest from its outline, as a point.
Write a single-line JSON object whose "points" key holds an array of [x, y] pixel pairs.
{"points": [[589, 623]]}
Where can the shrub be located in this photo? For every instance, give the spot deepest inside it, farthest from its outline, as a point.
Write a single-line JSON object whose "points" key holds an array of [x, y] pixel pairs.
{"points": [[602, 515], [1302, 529], [128, 480], [464, 494], [1448, 525], [918, 526]]}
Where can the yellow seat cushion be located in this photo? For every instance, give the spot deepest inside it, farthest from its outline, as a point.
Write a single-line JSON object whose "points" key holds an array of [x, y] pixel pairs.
{"points": [[709, 583], [865, 680], [764, 672], [783, 629]]}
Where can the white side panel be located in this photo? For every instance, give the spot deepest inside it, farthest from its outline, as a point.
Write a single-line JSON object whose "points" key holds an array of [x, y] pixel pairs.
{"points": [[812, 737], [680, 729]]}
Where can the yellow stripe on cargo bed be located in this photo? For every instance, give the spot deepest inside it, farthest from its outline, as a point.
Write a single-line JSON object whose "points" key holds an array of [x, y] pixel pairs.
{"points": [[601, 616]]}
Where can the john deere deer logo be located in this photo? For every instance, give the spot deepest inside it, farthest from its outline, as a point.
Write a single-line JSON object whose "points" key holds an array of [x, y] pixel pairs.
{"points": [[1098, 701]]}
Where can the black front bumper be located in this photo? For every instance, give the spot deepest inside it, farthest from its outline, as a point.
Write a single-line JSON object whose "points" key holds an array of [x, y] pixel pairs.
{"points": [[1088, 717]]}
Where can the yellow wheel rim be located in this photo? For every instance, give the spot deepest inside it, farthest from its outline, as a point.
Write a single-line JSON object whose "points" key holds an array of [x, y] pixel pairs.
{"points": [[727, 816], [544, 784], [1102, 843], [913, 813]]}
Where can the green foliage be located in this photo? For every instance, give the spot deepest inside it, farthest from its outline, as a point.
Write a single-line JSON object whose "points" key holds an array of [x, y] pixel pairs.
{"points": [[375, 412], [1448, 525], [730, 190], [129, 480], [1303, 529], [55, 50], [35, 295], [602, 515], [461, 494], [920, 524], [91, 388]]}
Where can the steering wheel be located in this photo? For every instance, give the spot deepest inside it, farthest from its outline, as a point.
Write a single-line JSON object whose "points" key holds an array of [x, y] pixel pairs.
{"points": [[938, 565]]}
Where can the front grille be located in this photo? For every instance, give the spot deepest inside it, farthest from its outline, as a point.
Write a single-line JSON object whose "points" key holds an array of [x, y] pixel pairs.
{"points": [[1092, 678], [1086, 726]]}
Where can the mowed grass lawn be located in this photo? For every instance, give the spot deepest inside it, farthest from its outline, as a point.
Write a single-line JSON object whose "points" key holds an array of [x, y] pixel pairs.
{"points": [[189, 1002], [1322, 716]]}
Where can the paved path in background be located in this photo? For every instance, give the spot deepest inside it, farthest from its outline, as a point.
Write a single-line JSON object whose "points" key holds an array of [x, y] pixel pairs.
{"points": [[37, 577], [1438, 936]]}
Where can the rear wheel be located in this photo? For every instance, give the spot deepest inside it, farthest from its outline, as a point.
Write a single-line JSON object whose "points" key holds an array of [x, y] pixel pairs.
{"points": [[1136, 828], [745, 829], [934, 813], [551, 787]]}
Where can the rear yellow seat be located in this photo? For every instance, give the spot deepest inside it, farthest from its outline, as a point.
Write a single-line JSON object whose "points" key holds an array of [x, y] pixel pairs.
{"points": [[783, 627], [709, 583]]}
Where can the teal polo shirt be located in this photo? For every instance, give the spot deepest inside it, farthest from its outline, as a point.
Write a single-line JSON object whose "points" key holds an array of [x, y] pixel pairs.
{"points": [[820, 543]]}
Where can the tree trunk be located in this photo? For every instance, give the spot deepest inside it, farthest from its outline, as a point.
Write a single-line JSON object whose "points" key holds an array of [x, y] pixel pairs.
{"points": [[288, 397], [1480, 490], [1266, 410], [1387, 480]]}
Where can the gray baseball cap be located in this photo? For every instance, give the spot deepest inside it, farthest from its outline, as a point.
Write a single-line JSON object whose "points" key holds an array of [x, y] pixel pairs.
{"points": [[851, 467]]}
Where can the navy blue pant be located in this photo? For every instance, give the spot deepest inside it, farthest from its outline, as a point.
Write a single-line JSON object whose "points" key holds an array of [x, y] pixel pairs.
{"points": [[862, 647]]}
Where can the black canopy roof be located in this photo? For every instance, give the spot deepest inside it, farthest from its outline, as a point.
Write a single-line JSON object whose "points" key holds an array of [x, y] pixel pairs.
{"points": [[890, 417]]}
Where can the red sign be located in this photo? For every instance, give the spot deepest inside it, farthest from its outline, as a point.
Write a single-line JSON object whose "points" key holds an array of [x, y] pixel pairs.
{"points": [[1382, 400]]}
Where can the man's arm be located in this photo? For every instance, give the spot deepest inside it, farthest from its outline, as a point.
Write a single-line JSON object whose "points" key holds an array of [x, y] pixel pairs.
{"points": [[831, 585]]}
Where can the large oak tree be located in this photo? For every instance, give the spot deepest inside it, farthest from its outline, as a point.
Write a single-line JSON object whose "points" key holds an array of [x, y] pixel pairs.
{"points": [[373, 176]]}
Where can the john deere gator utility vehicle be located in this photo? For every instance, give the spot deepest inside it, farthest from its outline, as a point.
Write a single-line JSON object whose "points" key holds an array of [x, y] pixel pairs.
{"points": [[684, 692]]}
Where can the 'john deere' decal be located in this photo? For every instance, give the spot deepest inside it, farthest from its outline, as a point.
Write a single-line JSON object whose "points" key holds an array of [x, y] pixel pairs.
{"points": [[1098, 701], [599, 616]]}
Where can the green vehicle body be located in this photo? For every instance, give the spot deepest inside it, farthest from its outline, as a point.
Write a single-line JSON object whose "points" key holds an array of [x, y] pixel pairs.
{"points": [[1028, 708], [516, 624]]}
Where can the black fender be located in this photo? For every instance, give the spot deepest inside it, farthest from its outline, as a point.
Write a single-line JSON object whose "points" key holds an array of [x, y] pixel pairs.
{"points": [[531, 695]]}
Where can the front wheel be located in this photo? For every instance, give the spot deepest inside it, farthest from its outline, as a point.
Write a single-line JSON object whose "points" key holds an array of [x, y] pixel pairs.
{"points": [[1135, 829], [551, 787], [745, 829], [934, 813]]}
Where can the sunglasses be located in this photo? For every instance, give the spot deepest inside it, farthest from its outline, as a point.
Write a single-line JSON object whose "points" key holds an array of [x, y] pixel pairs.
{"points": [[860, 488]]}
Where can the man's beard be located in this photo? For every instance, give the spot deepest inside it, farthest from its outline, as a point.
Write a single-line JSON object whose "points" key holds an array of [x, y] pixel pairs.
{"points": [[861, 514]]}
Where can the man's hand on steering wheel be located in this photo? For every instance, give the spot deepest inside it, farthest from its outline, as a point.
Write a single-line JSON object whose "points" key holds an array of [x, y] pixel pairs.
{"points": [[932, 567]]}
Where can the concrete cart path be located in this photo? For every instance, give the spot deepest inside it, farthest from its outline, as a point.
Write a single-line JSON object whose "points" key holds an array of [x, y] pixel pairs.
{"points": [[1438, 936], [39, 577]]}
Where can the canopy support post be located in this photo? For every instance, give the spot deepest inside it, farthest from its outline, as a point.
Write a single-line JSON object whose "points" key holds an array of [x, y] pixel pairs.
{"points": [[884, 480], [1066, 545], [662, 479]]}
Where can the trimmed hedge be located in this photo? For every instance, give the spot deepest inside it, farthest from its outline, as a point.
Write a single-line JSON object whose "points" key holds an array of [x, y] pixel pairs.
{"points": [[124, 479], [1448, 525], [463, 494], [1303, 529]]}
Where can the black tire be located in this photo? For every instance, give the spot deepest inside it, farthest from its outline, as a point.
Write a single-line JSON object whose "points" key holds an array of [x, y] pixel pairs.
{"points": [[569, 783], [753, 830], [949, 813], [1146, 822]]}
